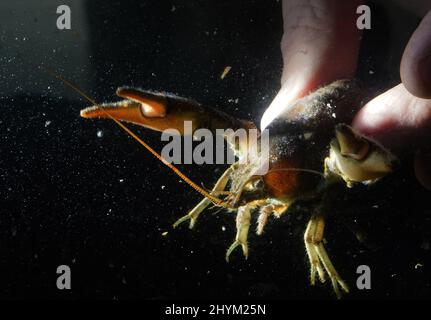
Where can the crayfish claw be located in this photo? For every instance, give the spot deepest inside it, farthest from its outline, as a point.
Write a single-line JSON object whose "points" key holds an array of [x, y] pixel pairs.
{"points": [[193, 215], [183, 219], [231, 248]]}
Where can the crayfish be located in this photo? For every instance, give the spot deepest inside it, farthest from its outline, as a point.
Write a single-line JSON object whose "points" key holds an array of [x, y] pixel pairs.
{"points": [[312, 150]]}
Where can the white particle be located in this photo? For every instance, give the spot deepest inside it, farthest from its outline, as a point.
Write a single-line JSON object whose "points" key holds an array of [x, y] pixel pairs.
{"points": [[47, 123], [223, 228], [307, 135], [163, 187], [99, 133], [334, 115]]}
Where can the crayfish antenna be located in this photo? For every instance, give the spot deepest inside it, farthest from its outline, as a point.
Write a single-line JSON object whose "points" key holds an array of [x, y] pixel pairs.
{"points": [[200, 190]]}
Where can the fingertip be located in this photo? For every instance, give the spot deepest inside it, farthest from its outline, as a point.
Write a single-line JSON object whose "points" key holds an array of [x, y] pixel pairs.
{"points": [[396, 118], [416, 75], [375, 119], [282, 100], [363, 119], [415, 68]]}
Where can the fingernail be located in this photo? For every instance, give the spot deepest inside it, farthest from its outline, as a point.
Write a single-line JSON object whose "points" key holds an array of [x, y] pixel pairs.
{"points": [[423, 169]]}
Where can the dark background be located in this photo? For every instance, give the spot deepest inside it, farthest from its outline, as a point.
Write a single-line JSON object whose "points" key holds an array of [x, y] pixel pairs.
{"points": [[100, 203]]}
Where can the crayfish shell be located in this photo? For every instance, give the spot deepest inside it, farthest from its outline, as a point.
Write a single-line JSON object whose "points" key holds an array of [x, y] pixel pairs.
{"points": [[300, 137]]}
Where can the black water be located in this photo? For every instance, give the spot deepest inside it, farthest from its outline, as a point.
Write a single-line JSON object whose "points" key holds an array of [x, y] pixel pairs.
{"points": [[81, 193]]}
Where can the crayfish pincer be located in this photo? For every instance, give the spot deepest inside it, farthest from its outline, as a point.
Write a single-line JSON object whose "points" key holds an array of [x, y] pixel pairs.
{"points": [[312, 151]]}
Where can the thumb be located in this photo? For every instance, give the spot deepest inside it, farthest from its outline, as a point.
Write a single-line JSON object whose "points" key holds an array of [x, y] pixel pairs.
{"points": [[401, 122], [415, 66]]}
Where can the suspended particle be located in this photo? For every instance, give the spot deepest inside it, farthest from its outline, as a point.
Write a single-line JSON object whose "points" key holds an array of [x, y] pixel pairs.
{"points": [[225, 72]]}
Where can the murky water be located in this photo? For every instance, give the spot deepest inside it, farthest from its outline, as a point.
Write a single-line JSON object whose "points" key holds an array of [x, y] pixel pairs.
{"points": [[81, 193]]}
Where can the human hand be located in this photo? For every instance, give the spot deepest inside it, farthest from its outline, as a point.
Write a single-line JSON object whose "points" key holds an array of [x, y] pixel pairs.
{"points": [[321, 43], [311, 50], [400, 118]]}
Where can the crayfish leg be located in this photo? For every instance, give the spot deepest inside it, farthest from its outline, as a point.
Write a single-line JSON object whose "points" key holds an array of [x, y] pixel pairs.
{"points": [[319, 259], [193, 214], [242, 226], [266, 211]]}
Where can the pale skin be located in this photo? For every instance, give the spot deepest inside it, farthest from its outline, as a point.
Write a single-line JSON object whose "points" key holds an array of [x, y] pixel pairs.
{"points": [[320, 45]]}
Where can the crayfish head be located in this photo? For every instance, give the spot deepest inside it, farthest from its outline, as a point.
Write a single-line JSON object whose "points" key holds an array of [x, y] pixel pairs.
{"points": [[253, 190], [283, 182]]}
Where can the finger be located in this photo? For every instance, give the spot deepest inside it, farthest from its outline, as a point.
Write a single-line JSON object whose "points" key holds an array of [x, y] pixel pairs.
{"points": [[320, 41], [397, 119], [401, 122], [320, 44], [415, 67]]}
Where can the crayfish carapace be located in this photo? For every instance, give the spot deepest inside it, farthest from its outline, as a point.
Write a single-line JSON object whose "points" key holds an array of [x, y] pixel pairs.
{"points": [[312, 150]]}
